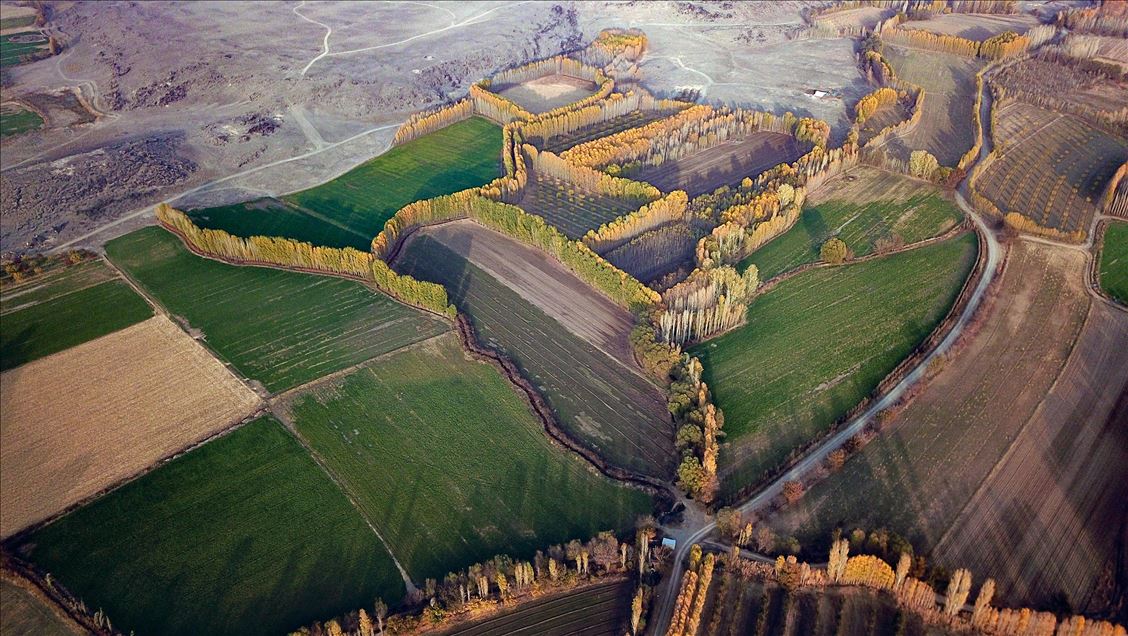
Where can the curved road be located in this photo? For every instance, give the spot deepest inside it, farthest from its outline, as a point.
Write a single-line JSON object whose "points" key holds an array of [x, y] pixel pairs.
{"points": [[688, 536]]}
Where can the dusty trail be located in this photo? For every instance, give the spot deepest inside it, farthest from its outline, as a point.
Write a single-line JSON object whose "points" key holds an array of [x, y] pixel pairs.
{"points": [[325, 43]]}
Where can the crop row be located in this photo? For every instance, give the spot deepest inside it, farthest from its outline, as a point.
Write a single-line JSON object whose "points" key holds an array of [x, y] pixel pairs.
{"points": [[569, 208]]}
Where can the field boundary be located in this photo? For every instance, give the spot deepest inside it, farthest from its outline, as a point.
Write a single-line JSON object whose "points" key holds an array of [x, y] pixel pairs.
{"points": [[1092, 273], [59, 599], [288, 424], [19, 537], [469, 340]]}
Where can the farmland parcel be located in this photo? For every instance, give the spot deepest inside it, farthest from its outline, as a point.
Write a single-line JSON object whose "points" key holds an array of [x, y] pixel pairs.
{"points": [[351, 209], [725, 164], [449, 463], [280, 328], [63, 308], [871, 210], [27, 613], [245, 535], [1113, 268], [600, 610], [97, 427], [597, 399], [820, 342], [1021, 384]]}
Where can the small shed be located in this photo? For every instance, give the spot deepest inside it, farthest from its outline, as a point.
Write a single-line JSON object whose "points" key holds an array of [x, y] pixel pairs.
{"points": [[667, 542]]}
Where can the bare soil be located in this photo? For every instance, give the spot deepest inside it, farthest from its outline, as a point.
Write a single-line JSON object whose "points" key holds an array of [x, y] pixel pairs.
{"points": [[543, 282], [546, 93], [721, 165], [975, 26], [83, 419], [1045, 519]]}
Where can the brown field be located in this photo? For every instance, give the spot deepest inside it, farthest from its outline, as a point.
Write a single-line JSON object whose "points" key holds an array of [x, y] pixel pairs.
{"points": [[544, 282], [1018, 418], [83, 419], [1044, 520], [546, 93], [885, 116], [864, 185], [1113, 51], [1052, 168], [947, 126], [975, 26], [851, 18], [27, 612], [721, 165]]}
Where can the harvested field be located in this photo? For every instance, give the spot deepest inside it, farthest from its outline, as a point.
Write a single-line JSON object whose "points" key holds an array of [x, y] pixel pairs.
{"points": [[117, 404], [885, 116], [1020, 384], [546, 93], [861, 17], [725, 164], [1113, 268], [63, 308], [598, 400], [277, 217], [1043, 522], [244, 535], [445, 458], [570, 209], [947, 123], [737, 606], [600, 610], [350, 211], [975, 26], [869, 210], [63, 107], [27, 613], [817, 344], [634, 119], [280, 328], [15, 119], [545, 283], [1051, 168]]}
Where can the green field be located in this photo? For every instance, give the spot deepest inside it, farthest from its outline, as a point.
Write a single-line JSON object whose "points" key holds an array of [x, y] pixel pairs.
{"points": [[245, 535], [571, 209], [1114, 262], [860, 226], [449, 463], [281, 328], [274, 217], [600, 610], [26, 614], [14, 121], [596, 399], [64, 308], [15, 23], [13, 53], [350, 211], [820, 342]]}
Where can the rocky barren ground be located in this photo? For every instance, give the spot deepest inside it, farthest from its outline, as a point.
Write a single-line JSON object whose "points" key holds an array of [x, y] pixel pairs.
{"points": [[210, 102]]}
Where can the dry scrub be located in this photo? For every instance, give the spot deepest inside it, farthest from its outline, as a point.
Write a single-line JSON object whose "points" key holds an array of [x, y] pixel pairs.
{"points": [[81, 420]]}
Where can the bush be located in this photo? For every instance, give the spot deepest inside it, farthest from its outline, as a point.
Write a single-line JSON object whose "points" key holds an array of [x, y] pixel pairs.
{"points": [[834, 251]]}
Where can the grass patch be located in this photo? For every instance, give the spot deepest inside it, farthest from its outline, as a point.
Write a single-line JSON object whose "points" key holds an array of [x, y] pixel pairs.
{"points": [[597, 400], [350, 211], [16, 52], [274, 217], [820, 342], [65, 309], [281, 328], [860, 225], [449, 463], [1114, 262], [245, 535], [14, 121], [16, 22]]}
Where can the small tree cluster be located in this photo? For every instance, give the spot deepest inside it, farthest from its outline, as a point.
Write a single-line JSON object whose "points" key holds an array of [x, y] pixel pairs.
{"points": [[699, 423]]}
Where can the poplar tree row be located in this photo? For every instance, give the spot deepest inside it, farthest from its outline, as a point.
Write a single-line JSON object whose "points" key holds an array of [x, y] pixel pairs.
{"points": [[285, 252], [613, 44], [1003, 45], [668, 209], [424, 123], [653, 253], [548, 126], [706, 302], [699, 423], [594, 181]]}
